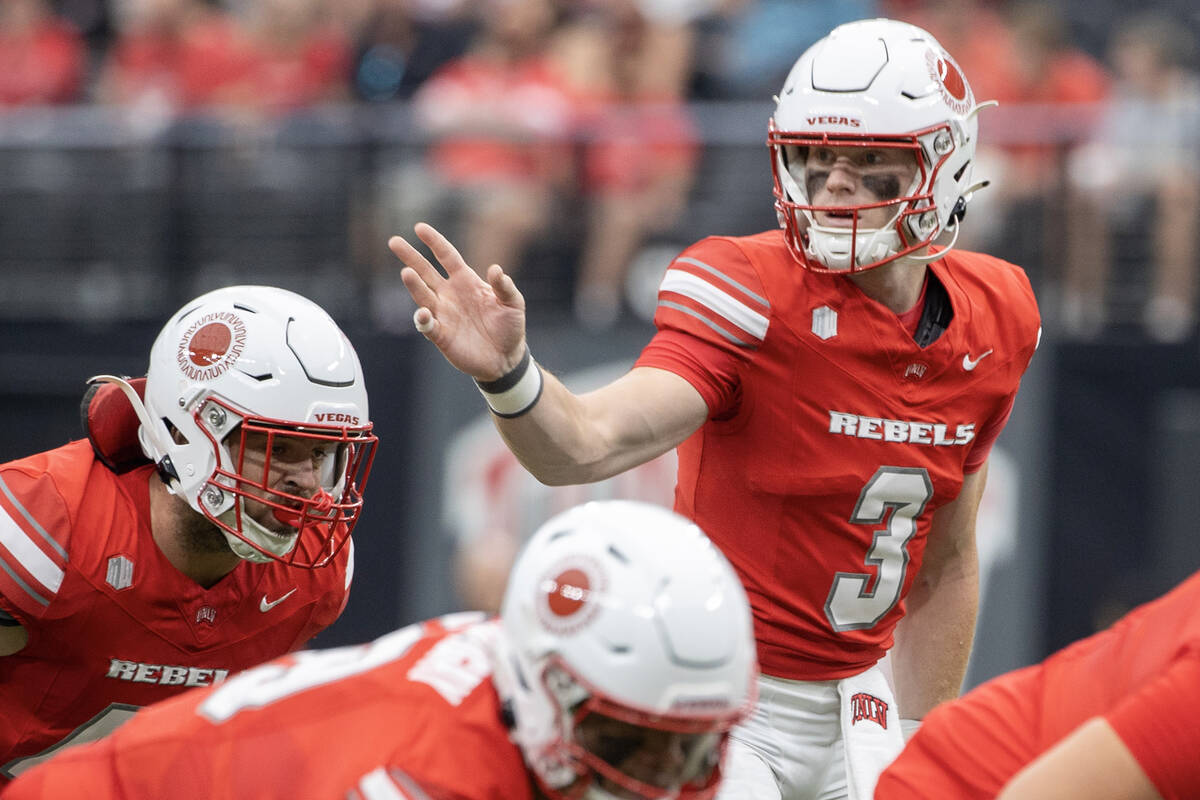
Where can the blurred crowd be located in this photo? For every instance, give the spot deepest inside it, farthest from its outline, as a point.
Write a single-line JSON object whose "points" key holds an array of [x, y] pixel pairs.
{"points": [[536, 108]]}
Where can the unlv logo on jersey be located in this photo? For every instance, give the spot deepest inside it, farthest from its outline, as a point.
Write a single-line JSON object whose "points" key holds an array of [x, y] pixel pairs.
{"points": [[211, 345], [567, 596], [950, 80]]}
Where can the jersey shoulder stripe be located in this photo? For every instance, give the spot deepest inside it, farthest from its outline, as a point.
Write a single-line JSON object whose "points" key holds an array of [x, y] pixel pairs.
{"points": [[727, 300], [28, 549], [387, 784]]}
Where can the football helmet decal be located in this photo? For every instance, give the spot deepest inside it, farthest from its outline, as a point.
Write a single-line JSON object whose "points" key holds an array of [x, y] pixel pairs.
{"points": [[628, 654], [873, 86], [256, 413]]}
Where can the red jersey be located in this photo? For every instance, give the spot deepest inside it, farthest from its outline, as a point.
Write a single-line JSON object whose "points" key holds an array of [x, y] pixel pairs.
{"points": [[112, 624], [1142, 675], [832, 436], [418, 702]]}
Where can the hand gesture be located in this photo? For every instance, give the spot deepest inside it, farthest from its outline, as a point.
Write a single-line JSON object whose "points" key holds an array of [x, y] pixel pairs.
{"points": [[479, 325]]}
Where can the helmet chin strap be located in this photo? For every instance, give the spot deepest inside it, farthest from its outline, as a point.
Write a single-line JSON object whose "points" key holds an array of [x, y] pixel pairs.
{"points": [[935, 256], [833, 247], [957, 215], [264, 538]]}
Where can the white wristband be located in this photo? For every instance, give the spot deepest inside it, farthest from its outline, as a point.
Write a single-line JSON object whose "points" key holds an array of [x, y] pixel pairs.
{"points": [[514, 393]]}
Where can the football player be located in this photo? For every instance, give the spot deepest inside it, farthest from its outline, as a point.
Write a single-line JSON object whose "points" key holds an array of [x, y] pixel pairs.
{"points": [[203, 529], [834, 389], [1108, 718], [623, 655]]}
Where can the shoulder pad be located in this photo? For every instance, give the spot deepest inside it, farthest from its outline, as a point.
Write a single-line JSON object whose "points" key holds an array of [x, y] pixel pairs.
{"points": [[111, 425]]}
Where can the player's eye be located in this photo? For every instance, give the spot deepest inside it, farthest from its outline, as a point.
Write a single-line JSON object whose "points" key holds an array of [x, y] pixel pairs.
{"points": [[823, 155]]}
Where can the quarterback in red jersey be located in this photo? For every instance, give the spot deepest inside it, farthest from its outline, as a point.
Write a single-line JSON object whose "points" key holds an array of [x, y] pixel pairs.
{"points": [[623, 655], [166, 552], [1112, 717], [833, 389]]}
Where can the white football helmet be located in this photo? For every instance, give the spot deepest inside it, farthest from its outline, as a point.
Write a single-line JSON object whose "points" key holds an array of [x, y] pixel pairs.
{"points": [[874, 84], [266, 365], [628, 654]]}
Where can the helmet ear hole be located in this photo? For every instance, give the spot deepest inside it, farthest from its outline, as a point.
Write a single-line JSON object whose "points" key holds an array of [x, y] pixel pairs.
{"points": [[176, 435]]}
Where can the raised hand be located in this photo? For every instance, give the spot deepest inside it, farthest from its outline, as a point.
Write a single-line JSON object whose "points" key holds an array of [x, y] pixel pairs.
{"points": [[478, 324]]}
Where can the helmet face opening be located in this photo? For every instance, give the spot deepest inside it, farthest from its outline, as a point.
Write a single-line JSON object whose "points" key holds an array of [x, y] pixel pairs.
{"points": [[834, 237], [292, 493], [623, 751]]}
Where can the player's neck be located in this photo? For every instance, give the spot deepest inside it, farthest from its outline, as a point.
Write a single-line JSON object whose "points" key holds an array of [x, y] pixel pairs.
{"points": [[896, 285], [186, 539]]}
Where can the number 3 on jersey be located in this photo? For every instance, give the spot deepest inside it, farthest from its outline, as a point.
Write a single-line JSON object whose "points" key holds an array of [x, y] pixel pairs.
{"points": [[902, 491]]}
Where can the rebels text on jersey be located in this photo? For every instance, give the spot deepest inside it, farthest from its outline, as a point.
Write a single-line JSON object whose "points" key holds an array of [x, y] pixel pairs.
{"points": [[833, 436], [412, 714], [112, 624]]}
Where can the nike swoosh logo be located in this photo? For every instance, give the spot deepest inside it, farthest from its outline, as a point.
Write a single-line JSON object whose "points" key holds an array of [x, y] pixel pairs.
{"points": [[971, 363], [264, 605]]}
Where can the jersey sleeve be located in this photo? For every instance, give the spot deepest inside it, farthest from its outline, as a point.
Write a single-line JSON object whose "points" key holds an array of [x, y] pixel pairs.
{"points": [[1158, 725], [34, 528], [712, 315], [981, 448]]}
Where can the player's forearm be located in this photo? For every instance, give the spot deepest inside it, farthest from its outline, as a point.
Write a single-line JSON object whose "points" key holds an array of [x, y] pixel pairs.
{"points": [[559, 441], [1092, 762], [933, 641], [567, 439]]}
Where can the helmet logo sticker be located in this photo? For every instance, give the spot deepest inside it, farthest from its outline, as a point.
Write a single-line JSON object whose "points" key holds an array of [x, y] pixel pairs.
{"points": [[211, 345], [950, 81], [568, 595]]}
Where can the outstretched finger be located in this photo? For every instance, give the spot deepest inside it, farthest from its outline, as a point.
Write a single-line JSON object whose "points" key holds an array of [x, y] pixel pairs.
{"points": [[422, 295], [446, 253], [413, 259], [504, 288]]}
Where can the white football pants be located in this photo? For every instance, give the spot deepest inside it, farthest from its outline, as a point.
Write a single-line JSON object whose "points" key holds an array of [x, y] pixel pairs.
{"points": [[793, 746]]}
